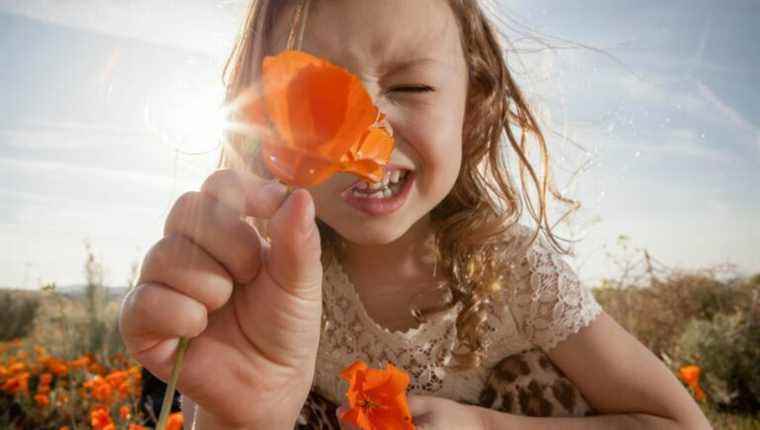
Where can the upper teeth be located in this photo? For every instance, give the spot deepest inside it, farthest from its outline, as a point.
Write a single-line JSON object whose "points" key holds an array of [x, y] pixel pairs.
{"points": [[393, 177]]}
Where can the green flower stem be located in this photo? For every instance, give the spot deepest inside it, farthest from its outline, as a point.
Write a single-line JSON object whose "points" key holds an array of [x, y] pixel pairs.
{"points": [[166, 406]]}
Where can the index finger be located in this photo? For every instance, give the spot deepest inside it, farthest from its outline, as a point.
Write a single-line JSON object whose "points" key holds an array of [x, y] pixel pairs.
{"points": [[245, 193]]}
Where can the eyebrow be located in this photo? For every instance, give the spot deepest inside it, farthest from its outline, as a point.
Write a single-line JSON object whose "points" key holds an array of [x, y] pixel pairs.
{"points": [[402, 65]]}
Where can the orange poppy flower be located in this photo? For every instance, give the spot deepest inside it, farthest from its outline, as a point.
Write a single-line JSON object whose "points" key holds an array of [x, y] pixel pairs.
{"points": [[100, 418], [125, 413], [17, 384], [690, 375], [377, 398], [116, 378], [316, 119], [46, 379], [82, 361], [175, 421], [42, 400]]}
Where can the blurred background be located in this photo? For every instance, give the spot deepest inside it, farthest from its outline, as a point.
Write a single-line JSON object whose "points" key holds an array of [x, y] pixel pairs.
{"points": [[109, 112]]}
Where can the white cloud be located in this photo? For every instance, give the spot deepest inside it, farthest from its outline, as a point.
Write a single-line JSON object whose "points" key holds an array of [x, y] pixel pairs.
{"points": [[731, 114], [191, 25]]}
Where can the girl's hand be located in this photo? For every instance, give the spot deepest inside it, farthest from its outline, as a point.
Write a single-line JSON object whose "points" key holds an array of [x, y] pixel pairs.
{"points": [[251, 359], [435, 413]]}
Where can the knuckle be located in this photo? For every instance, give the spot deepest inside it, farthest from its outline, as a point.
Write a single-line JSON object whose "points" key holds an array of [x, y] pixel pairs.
{"points": [[124, 311], [222, 180], [244, 266], [185, 207], [146, 299], [168, 251]]}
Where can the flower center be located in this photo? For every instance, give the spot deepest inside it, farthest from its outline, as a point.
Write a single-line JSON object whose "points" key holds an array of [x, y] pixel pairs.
{"points": [[368, 404]]}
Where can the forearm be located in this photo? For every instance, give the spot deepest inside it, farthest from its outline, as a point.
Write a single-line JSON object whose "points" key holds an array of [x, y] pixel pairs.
{"points": [[500, 421], [208, 422], [197, 419]]}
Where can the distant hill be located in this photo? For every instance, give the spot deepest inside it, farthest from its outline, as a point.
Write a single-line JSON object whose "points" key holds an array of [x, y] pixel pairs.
{"points": [[70, 291], [77, 291]]}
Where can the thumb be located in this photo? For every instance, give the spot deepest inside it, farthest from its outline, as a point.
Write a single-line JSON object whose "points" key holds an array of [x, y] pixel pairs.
{"points": [[419, 406], [294, 258]]}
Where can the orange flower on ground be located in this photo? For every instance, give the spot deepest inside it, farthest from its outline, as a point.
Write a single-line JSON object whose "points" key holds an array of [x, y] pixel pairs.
{"points": [[117, 378], [175, 421], [56, 366], [46, 379], [82, 361], [16, 367], [42, 400], [137, 427], [100, 419], [690, 375], [17, 384], [316, 119], [96, 368], [377, 398], [100, 389], [125, 413]]}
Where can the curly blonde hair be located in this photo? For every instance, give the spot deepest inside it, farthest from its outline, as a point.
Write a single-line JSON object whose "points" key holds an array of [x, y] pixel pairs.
{"points": [[472, 221]]}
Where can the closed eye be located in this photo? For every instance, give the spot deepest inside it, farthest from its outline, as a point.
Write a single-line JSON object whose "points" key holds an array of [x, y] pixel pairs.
{"points": [[413, 89]]}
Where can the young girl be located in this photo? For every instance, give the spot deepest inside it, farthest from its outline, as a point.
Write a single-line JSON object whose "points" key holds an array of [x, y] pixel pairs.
{"points": [[433, 274]]}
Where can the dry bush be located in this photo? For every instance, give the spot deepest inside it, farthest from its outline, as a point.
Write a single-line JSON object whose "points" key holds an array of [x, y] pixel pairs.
{"points": [[19, 309], [710, 318], [658, 313], [727, 346]]}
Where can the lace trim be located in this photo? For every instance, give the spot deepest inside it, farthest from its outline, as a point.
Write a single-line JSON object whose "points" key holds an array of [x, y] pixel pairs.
{"points": [[554, 304], [423, 332], [349, 333], [543, 304]]}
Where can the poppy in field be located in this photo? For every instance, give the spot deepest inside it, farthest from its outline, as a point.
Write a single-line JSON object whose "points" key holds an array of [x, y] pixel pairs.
{"points": [[690, 375]]}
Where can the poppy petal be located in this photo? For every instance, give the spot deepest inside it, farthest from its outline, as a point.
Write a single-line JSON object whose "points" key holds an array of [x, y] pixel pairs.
{"points": [[392, 419], [296, 167], [395, 381], [315, 104]]}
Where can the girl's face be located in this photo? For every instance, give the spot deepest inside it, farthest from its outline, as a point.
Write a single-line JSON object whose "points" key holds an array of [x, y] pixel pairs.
{"points": [[409, 56]]}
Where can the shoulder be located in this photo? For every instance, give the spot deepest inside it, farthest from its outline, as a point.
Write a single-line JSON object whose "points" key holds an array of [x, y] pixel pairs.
{"points": [[542, 291]]}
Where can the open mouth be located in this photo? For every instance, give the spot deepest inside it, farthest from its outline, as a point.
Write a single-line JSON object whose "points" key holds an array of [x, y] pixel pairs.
{"points": [[391, 185], [384, 197]]}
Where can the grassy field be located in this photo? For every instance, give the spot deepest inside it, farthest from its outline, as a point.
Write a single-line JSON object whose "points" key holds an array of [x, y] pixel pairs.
{"points": [[62, 364]]}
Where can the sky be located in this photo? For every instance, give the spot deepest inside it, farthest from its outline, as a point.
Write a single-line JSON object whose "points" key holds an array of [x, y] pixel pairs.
{"points": [[108, 115]]}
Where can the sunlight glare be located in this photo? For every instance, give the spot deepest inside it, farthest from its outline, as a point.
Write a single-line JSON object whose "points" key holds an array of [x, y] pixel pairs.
{"points": [[188, 120]]}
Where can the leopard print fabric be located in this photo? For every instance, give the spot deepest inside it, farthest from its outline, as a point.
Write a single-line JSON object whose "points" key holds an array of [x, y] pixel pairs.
{"points": [[527, 383]]}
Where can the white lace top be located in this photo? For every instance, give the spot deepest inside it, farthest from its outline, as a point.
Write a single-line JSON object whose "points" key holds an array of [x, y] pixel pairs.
{"points": [[543, 303]]}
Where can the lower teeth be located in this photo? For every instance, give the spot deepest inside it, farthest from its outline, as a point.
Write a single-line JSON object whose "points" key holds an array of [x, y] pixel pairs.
{"points": [[385, 192]]}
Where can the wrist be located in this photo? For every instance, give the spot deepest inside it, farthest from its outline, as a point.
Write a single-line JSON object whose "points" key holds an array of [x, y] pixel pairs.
{"points": [[206, 421]]}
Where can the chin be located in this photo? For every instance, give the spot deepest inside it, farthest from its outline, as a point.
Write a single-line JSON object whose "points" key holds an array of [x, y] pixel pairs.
{"points": [[368, 234]]}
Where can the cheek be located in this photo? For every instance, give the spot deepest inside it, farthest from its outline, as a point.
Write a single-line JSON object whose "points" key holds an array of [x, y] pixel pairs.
{"points": [[436, 139]]}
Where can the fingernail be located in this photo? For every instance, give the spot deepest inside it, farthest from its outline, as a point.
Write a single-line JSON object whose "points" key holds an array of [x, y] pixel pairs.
{"points": [[308, 219], [276, 189]]}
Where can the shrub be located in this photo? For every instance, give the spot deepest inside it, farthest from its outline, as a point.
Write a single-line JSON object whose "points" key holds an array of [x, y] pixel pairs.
{"points": [[727, 347], [18, 314]]}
